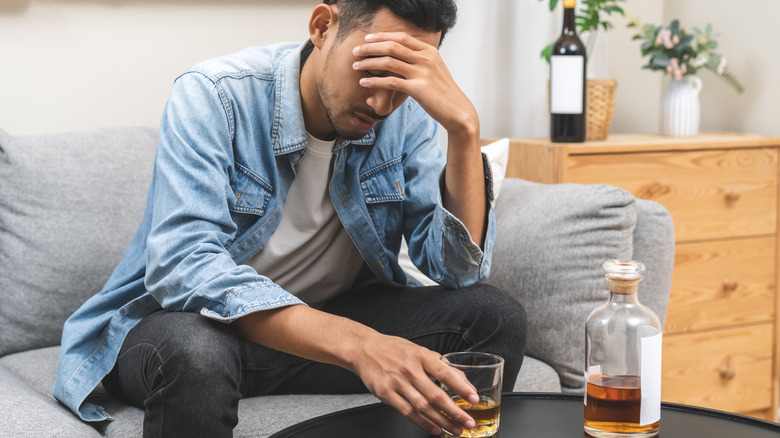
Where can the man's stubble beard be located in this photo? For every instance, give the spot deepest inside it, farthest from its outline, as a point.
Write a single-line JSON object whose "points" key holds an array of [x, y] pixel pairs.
{"points": [[330, 95]]}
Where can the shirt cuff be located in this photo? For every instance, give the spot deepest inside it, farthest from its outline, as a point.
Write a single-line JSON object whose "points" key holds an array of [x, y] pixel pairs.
{"points": [[251, 298]]}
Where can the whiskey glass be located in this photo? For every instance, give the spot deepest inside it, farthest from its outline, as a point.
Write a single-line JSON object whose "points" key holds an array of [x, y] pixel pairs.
{"points": [[486, 372]]}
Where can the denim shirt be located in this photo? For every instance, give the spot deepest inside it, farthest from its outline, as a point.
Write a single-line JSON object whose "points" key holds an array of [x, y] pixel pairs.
{"points": [[230, 135]]}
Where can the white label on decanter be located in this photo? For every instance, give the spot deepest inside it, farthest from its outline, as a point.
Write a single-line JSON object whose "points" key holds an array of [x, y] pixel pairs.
{"points": [[650, 341], [566, 84]]}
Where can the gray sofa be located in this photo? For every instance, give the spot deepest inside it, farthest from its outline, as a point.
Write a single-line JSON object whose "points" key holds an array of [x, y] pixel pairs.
{"points": [[70, 203]]}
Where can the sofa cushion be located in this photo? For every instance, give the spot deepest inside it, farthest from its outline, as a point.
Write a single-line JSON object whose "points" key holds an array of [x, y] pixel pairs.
{"points": [[27, 412], [32, 374], [69, 206], [537, 376], [37, 368], [257, 416], [551, 237]]}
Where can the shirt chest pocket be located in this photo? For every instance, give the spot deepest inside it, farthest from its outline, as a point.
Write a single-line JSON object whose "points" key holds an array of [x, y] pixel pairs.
{"points": [[383, 189], [384, 183], [252, 193]]}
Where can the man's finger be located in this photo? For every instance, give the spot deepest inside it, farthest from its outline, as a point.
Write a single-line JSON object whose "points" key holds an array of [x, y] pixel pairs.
{"points": [[410, 413], [383, 66], [402, 38], [452, 419], [388, 83], [386, 48], [457, 382], [442, 402]]}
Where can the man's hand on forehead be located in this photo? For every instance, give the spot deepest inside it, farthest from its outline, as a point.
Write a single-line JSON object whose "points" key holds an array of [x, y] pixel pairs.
{"points": [[387, 54], [404, 63]]}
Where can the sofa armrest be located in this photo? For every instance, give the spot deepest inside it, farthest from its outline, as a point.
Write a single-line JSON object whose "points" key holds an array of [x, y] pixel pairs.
{"points": [[550, 244], [654, 246]]}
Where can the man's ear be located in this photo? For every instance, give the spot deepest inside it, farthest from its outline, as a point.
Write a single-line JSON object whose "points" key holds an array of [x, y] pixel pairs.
{"points": [[323, 24]]}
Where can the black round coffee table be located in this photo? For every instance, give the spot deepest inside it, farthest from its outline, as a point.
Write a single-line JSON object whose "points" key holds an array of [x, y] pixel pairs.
{"points": [[537, 415]]}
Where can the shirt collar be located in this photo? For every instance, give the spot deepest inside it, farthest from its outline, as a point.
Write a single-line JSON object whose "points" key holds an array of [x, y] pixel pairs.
{"points": [[288, 132]]}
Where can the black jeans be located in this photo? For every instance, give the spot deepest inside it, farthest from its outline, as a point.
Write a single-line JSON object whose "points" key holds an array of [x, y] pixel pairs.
{"points": [[188, 372]]}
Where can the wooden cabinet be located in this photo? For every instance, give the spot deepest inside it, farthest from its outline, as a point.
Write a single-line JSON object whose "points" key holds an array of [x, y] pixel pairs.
{"points": [[721, 333]]}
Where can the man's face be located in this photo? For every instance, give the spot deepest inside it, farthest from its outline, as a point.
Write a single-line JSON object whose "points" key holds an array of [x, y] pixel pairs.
{"points": [[352, 109]]}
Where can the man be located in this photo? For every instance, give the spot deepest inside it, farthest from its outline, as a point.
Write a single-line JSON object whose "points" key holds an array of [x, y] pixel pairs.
{"points": [[266, 262]]}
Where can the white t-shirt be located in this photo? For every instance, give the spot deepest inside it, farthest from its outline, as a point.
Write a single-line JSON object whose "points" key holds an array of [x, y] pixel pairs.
{"points": [[311, 254]]}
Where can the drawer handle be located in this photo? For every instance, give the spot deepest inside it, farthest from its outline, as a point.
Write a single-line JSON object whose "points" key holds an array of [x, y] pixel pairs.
{"points": [[732, 195], [730, 285], [726, 371]]}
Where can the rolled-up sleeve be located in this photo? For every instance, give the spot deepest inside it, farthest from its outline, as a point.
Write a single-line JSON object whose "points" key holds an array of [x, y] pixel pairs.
{"points": [[439, 243], [188, 265], [456, 233]]}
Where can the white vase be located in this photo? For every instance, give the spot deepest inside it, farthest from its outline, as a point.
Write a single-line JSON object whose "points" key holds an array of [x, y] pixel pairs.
{"points": [[682, 111]]}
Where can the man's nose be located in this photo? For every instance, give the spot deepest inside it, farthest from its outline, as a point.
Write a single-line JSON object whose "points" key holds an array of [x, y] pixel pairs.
{"points": [[382, 102]]}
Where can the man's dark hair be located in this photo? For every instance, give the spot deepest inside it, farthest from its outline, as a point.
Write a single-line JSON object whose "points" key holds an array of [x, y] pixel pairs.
{"points": [[428, 15]]}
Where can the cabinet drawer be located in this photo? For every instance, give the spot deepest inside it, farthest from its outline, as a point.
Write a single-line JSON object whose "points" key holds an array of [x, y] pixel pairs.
{"points": [[722, 283], [728, 369], [709, 193]]}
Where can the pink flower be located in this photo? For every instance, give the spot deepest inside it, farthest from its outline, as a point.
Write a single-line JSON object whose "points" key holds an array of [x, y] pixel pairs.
{"points": [[665, 38], [668, 39], [676, 69], [660, 38]]}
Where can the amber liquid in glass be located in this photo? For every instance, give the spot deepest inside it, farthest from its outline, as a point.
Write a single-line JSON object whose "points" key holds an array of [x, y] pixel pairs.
{"points": [[614, 405], [486, 415]]}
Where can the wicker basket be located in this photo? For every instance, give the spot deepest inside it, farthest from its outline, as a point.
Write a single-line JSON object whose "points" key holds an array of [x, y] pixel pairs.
{"points": [[600, 105]]}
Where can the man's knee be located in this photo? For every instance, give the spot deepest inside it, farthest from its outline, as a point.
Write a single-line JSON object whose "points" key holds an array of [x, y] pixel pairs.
{"points": [[500, 320], [192, 347], [205, 349], [503, 308]]}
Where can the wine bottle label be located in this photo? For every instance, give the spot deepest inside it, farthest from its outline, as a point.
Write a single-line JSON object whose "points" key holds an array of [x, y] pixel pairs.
{"points": [[566, 84], [650, 339]]}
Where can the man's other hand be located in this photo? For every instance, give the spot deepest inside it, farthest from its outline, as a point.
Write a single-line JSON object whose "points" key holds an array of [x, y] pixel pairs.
{"points": [[402, 374]]}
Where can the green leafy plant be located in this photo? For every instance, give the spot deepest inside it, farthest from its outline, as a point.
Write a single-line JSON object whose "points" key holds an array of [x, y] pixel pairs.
{"points": [[675, 51], [591, 18]]}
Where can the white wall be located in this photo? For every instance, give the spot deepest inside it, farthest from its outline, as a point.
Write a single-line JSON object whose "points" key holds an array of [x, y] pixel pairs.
{"points": [[79, 64], [494, 55], [70, 65], [639, 92]]}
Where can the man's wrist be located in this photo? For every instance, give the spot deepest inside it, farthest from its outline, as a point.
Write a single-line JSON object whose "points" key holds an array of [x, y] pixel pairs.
{"points": [[353, 352], [466, 130]]}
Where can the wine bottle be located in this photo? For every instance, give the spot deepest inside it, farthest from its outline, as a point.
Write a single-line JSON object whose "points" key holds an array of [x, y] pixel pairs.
{"points": [[567, 82]]}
